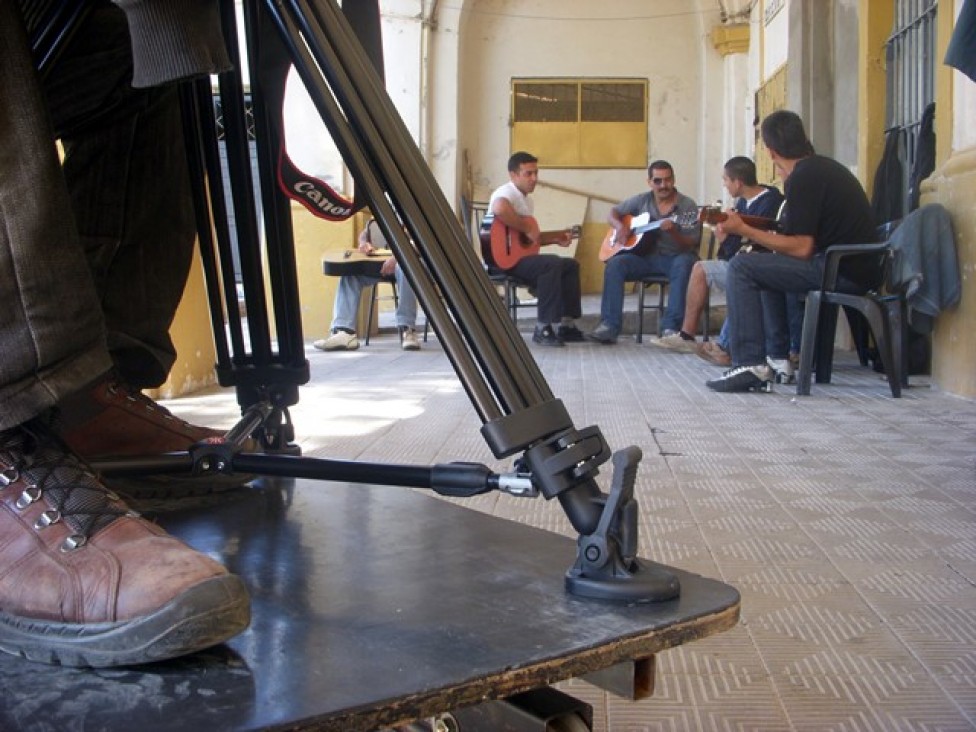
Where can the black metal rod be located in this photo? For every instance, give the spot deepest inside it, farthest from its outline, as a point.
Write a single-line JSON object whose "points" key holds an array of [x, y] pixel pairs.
{"points": [[518, 382], [221, 229], [268, 70], [355, 158], [242, 188], [192, 126]]}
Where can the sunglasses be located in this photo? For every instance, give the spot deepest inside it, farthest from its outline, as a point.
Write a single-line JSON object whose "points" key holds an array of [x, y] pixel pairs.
{"points": [[659, 181]]}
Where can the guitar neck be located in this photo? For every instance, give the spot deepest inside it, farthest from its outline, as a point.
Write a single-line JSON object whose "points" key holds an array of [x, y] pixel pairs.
{"points": [[760, 222], [714, 216]]}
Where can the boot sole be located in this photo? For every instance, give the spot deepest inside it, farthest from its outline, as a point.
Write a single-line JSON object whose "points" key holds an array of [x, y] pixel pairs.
{"points": [[203, 616]]}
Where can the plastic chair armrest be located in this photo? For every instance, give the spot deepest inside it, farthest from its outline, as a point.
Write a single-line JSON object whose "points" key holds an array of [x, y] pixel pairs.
{"points": [[838, 252]]}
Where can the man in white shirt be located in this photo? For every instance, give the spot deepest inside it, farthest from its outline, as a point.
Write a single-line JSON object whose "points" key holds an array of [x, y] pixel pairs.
{"points": [[554, 279]]}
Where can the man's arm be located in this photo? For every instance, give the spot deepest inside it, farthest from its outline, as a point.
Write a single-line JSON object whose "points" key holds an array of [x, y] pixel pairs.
{"points": [[687, 237], [504, 211]]}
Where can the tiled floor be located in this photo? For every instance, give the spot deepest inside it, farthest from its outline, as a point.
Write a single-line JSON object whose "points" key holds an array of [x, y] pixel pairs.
{"points": [[846, 519]]}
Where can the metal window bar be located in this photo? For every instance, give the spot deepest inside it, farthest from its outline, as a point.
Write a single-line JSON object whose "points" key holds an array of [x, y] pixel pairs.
{"points": [[910, 61]]}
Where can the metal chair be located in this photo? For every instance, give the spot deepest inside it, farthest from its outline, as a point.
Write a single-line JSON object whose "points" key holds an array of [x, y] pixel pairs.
{"points": [[661, 282]]}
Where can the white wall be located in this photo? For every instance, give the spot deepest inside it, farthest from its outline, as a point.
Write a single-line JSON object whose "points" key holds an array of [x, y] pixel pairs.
{"points": [[666, 41]]}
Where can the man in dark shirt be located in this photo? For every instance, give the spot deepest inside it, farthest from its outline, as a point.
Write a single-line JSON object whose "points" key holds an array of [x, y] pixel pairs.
{"points": [[825, 205]]}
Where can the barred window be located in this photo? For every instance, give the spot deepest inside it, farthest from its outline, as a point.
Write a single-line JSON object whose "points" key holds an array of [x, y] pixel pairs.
{"points": [[910, 70]]}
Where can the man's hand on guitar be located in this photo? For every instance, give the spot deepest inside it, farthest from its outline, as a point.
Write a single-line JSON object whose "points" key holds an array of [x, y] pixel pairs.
{"points": [[532, 232], [733, 223], [389, 266]]}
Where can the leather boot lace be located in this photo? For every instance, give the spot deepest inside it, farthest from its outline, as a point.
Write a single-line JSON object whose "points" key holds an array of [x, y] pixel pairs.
{"points": [[32, 454]]}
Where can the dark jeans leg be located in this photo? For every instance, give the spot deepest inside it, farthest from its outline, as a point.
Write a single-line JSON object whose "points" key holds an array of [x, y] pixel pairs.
{"points": [[125, 166], [621, 269], [749, 275], [549, 275], [776, 324], [51, 328], [678, 269]]}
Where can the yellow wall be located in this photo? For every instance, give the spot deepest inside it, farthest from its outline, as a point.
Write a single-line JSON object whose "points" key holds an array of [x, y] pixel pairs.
{"points": [[953, 184], [193, 338], [954, 342], [313, 238], [191, 331]]}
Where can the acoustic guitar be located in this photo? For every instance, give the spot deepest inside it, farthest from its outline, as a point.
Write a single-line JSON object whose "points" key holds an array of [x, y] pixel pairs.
{"points": [[713, 215], [638, 226], [505, 247], [354, 262]]}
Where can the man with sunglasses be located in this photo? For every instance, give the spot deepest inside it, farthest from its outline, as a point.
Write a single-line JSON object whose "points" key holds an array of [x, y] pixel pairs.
{"points": [[670, 249]]}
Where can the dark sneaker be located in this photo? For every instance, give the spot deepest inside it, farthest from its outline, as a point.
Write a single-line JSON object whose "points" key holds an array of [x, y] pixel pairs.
{"points": [[744, 378], [603, 334], [545, 336], [110, 420], [84, 581], [569, 334]]}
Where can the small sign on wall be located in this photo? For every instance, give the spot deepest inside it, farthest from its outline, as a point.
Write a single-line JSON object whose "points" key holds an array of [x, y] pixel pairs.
{"points": [[770, 10]]}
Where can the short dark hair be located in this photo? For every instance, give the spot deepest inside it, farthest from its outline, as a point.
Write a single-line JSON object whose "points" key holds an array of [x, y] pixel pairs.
{"points": [[742, 169], [519, 159], [659, 165], [782, 132]]}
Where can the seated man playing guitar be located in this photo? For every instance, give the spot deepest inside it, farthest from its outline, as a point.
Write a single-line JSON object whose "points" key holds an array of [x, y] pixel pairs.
{"points": [[760, 204], [517, 239], [670, 248], [343, 330]]}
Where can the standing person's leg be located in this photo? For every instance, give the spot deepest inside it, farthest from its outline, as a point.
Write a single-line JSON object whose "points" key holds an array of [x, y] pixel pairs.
{"points": [[126, 169], [75, 561], [53, 338]]}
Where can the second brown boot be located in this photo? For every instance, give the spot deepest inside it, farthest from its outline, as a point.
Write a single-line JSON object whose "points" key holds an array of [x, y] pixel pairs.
{"points": [[110, 420]]}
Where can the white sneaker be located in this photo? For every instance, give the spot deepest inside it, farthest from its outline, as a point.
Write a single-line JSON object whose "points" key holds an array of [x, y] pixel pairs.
{"points": [[674, 342], [340, 340], [783, 368], [409, 340]]}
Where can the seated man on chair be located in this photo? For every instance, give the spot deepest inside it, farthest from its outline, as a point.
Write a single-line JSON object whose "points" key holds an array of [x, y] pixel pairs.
{"points": [[346, 307], [752, 199], [669, 249], [825, 205], [555, 279]]}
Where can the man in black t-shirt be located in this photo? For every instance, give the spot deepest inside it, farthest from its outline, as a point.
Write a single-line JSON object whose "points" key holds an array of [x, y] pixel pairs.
{"points": [[825, 205]]}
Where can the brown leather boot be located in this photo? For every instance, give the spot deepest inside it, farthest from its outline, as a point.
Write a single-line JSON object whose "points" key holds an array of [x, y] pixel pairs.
{"points": [[110, 420], [85, 582]]}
